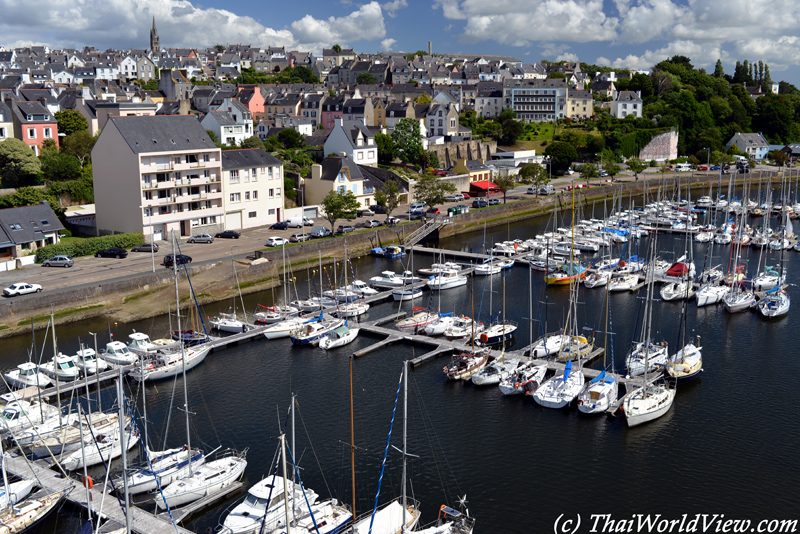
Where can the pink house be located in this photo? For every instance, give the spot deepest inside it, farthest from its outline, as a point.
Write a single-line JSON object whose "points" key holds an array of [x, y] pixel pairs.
{"points": [[332, 109], [250, 96], [33, 123]]}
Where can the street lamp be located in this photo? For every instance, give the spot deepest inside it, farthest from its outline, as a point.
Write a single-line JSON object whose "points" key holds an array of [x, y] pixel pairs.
{"points": [[150, 223], [302, 212], [708, 157]]}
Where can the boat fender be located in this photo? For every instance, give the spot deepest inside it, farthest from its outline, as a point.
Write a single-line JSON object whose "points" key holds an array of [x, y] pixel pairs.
{"points": [[88, 482], [516, 385], [484, 338]]}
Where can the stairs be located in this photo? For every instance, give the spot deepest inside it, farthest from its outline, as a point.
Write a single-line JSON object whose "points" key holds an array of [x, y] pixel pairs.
{"points": [[426, 229]]}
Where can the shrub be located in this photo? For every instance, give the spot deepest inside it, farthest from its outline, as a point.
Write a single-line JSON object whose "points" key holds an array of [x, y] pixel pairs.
{"points": [[90, 246]]}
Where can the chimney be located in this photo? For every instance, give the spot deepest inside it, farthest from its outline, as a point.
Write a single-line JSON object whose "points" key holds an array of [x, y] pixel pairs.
{"points": [[430, 49], [316, 171], [342, 154]]}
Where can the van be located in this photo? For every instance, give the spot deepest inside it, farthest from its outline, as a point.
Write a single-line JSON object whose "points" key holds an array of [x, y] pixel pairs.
{"points": [[740, 159], [682, 167], [547, 190], [299, 222]]}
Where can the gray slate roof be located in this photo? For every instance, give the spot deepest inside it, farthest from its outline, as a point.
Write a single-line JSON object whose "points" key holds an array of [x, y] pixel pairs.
{"points": [[27, 223], [248, 157], [163, 133]]}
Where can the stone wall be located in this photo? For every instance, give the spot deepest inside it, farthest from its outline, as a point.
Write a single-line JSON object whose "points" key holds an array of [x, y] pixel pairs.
{"points": [[661, 147], [448, 153]]}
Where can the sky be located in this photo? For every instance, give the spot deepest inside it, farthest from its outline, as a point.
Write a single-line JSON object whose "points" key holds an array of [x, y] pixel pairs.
{"points": [[618, 33]]}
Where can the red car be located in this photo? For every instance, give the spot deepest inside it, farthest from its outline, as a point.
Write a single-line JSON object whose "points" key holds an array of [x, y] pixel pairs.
{"points": [[433, 210], [465, 195], [703, 168]]}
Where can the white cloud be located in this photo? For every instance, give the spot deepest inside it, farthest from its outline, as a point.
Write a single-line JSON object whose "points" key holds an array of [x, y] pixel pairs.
{"points": [[387, 44], [390, 8], [603, 61], [567, 56], [112, 23]]}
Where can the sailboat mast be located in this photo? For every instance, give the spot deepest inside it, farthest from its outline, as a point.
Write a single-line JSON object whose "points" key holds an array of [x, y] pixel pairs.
{"points": [[405, 434], [352, 444], [123, 447], [183, 361], [285, 481], [55, 369]]}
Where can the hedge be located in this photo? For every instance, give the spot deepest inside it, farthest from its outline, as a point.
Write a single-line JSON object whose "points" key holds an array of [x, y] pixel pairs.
{"points": [[90, 246]]}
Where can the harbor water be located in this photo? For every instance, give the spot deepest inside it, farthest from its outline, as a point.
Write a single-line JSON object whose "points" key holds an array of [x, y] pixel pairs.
{"points": [[726, 446]]}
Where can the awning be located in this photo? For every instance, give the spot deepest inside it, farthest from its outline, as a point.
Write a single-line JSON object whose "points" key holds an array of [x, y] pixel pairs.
{"points": [[485, 185]]}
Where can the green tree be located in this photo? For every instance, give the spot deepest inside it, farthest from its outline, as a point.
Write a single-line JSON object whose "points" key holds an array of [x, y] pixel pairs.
{"points": [[557, 75], [386, 151], [18, 164], [561, 155], [778, 156], [429, 188], [506, 114], [291, 139], [59, 167], [505, 184], [150, 85], [535, 174], [611, 168], [366, 78], [252, 142], [718, 70], [428, 159], [424, 98], [337, 48], [588, 171], [70, 121], [636, 166], [339, 205], [272, 144], [512, 130], [388, 197], [407, 140], [30, 196]]}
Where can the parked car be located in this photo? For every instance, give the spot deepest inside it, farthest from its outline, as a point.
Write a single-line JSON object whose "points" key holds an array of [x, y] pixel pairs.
{"points": [[603, 174], [418, 206], [494, 201], [21, 288], [112, 252], [569, 171], [320, 231], [462, 207], [58, 261], [391, 221], [372, 223], [715, 167], [433, 210], [145, 247], [201, 238], [276, 241], [454, 198], [299, 237], [465, 196], [171, 259], [377, 209], [480, 203], [345, 228], [365, 213], [547, 190], [702, 168], [228, 234], [531, 190], [283, 225], [415, 215]]}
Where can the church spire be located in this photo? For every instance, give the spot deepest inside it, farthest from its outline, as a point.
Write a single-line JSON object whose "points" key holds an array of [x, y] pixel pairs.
{"points": [[155, 45]]}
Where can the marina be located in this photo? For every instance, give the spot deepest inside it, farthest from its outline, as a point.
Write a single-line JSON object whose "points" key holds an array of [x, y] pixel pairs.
{"points": [[467, 416]]}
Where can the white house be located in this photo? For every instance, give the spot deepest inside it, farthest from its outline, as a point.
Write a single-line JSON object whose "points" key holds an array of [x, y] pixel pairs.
{"points": [[253, 184], [626, 103], [128, 68], [353, 139], [752, 144]]}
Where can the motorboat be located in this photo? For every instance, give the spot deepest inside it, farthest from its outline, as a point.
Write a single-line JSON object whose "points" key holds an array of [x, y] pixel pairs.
{"points": [[391, 280], [140, 343], [466, 364], [284, 328], [647, 403], [227, 322], [406, 294], [525, 379], [421, 318], [274, 314], [565, 274], [447, 279], [117, 355], [314, 303], [462, 328], [160, 365], [351, 309], [680, 270], [437, 268], [87, 361], [339, 337], [207, 479], [342, 295], [654, 353], [62, 368], [163, 468], [561, 389], [361, 288], [313, 330], [597, 279], [598, 394], [20, 414], [440, 325], [495, 372], [394, 251], [25, 375], [57, 440]]}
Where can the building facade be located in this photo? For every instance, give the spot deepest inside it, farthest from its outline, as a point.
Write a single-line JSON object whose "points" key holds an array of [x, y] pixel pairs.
{"points": [[252, 184]]}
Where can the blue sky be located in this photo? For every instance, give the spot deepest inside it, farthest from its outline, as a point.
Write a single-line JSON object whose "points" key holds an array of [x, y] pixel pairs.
{"points": [[620, 33]]}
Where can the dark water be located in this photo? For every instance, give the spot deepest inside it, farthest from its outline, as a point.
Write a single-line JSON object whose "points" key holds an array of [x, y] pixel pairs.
{"points": [[727, 446]]}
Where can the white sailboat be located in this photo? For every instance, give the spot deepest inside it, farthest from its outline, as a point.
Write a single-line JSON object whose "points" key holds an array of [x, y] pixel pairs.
{"points": [[526, 379], [229, 322], [560, 390], [495, 372], [339, 337]]}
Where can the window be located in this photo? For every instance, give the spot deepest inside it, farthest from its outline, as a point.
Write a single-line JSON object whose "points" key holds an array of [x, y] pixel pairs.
{"points": [[236, 197], [31, 133], [2, 133], [255, 195], [271, 211], [341, 176], [269, 173], [206, 174], [251, 215], [234, 177], [271, 193], [205, 158], [47, 133], [247, 195], [355, 189], [371, 154], [452, 123], [342, 189], [278, 192], [254, 174], [360, 155], [245, 176]]}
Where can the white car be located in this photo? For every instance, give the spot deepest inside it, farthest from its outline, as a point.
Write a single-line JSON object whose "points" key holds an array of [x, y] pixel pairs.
{"points": [[277, 241], [454, 198], [21, 288]]}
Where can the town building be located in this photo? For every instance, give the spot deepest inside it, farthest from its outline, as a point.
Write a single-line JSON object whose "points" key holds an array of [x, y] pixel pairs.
{"points": [[253, 183]]}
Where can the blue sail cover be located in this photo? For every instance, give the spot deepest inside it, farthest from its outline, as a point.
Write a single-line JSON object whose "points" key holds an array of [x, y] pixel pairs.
{"points": [[599, 378], [567, 370], [774, 289]]}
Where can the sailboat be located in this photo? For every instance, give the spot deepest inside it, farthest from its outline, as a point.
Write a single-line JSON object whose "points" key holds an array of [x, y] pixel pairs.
{"points": [[602, 390], [687, 363], [526, 379], [560, 390], [313, 330], [339, 337], [228, 322], [277, 312], [739, 298], [651, 400], [776, 302]]}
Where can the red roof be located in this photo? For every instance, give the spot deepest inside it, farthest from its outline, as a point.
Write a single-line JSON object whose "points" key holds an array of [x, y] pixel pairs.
{"points": [[485, 184]]}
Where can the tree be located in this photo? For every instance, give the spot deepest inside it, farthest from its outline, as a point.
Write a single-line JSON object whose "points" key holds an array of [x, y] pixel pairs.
{"points": [[778, 156], [636, 166], [424, 98], [80, 145], [535, 174], [561, 155], [512, 130], [429, 188], [611, 168], [506, 114], [18, 164], [339, 205], [59, 167], [386, 150], [291, 139], [70, 121], [253, 142], [336, 48], [366, 78], [407, 139], [588, 171], [428, 159], [505, 184], [388, 197]]}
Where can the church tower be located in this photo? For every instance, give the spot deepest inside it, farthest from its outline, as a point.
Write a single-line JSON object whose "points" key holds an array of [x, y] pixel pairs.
{"points": [[155, 46]]}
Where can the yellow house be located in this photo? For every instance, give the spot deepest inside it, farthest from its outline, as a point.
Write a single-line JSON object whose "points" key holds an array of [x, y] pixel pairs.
{"points": [[580, 104], [477, 171], [342, 174]]}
